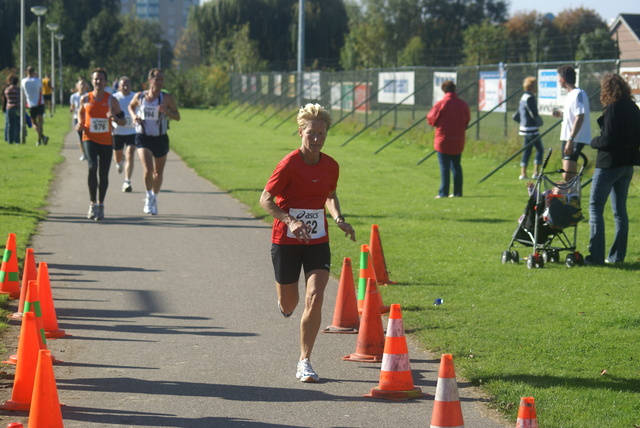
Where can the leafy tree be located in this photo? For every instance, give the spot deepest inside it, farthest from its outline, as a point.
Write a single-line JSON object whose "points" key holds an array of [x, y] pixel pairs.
{"points": [[573, 23], [485, 44], [596, 45], [413, 53], [238, 53]]}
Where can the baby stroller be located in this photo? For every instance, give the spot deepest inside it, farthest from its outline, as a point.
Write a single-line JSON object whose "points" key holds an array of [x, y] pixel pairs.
{"points": [[553, 209]]}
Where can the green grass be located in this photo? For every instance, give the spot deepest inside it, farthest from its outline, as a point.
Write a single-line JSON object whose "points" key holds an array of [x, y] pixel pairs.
{"points": [[548, 333], [25, 179]]}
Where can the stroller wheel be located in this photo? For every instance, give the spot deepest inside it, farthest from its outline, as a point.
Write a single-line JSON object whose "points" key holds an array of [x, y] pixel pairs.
{"points": [[515, 257], [535, 261], [570, 261], [506, 257]]}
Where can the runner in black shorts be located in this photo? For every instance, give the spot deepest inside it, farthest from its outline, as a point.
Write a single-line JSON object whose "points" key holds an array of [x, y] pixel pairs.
{"points": [[298, 194]]}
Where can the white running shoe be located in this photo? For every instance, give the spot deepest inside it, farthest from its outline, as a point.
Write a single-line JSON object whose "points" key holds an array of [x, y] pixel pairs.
{"points": [[126, 187], [305, 372], [147, 205], [92, 211], [120, 167], [154, 206]]}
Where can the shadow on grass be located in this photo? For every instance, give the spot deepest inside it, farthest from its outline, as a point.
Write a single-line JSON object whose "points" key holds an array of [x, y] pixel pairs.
{"points": [[608, 382]]}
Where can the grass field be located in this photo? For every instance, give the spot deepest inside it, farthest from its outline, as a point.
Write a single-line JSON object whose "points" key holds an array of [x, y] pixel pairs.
{"points": [[568, 337], [549, 333]]}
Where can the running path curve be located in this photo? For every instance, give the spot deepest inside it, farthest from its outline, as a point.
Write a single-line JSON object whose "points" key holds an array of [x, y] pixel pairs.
{"points": [[175, 324]]}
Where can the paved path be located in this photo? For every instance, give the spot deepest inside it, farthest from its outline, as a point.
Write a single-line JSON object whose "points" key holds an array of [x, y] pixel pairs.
{"points": [[174, 321]]}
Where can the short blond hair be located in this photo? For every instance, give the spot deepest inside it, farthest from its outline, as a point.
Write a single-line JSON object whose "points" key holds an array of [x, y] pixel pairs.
{"points": [[529, 83], [313, 112]]}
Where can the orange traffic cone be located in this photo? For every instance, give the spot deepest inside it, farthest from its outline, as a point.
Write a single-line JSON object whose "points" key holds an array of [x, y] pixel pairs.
{"points": [[527, 413], [49, 318], [396, 381], [447, 411], [29, 273], [377, 255], [32, 304], [367, 272], [28, 348], [9, 275], [345, 314], [45, 407], [370, 343]]}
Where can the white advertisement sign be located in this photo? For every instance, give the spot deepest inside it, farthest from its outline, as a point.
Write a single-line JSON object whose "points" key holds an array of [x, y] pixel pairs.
{"points": [[394, 87], [311, 85], [492, 89], [551, 95], [277, 85], [438, 78]]}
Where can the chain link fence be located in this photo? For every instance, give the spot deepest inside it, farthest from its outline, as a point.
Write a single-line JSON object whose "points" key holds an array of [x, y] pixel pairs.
{"points": [[370, 98]]}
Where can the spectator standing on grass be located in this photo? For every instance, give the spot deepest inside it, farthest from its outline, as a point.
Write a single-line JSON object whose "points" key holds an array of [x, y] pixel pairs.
{"points": [[74, 105], [32, 87], [302, 185], [150, 111], [11, 108], [124, 137], [618, 151], [47, 93], [97, 110], [530, 121], [576, 121], [450, 116]]}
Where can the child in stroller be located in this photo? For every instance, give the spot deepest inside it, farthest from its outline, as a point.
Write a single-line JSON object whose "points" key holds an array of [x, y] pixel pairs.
{"points": [[552, 207]]}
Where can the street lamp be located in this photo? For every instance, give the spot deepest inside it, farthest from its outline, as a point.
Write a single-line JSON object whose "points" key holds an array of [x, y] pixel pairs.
{"points": [[39, 11], [53, 28], [159, 47], [59, 38]]}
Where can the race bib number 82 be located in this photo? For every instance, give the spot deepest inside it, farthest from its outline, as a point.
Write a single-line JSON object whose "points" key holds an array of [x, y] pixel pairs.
{"points": [[314, 219]]}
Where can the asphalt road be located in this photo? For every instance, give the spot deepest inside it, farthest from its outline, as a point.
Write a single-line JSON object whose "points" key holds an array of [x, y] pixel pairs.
{"points": [[174, 320]]}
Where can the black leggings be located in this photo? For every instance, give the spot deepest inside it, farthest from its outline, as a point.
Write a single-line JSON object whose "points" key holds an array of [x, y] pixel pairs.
{"points": [[99, 161]]}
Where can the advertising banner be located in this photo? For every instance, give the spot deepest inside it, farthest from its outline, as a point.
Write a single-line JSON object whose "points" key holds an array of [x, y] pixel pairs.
{"points": [[361, 99], [394, 87], [438, 78], [264, 84], [277, 85], [342, 96], [632, 76], [551, 95], [492, 89], [311, 85]]}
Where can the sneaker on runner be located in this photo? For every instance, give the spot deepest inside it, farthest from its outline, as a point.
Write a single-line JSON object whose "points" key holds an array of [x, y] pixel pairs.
{"points": [[92, 211], [45, 140], [153, 208], [126, 187], [305, 372], [120, 167], [82, 158], [147, 205], [99, 212]]}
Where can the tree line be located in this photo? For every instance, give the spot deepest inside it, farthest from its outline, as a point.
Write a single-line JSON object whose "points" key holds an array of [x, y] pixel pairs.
{"points": [[239, 36]]}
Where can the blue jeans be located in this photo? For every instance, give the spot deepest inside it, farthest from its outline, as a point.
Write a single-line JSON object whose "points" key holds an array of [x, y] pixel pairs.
{"points": [[450, 163], [605, 182], [12, 126], [527, 152]]}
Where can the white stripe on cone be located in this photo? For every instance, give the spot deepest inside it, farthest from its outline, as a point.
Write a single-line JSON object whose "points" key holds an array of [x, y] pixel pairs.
{"points": [[447, 389], [395, 363], [395, 328]]}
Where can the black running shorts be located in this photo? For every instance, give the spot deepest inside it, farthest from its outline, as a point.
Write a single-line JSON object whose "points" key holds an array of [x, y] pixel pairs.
{"points": [[289, 259], [158, 145]]}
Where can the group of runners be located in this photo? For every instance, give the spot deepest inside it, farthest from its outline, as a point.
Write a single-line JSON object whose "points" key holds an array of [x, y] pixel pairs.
{"points": [[120, 124]]}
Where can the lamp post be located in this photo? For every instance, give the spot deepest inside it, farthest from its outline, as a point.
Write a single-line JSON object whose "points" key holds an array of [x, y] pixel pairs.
{"points": [[53, 28], [39, 11], [159, 47], [59, 38], [22, 67]]}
